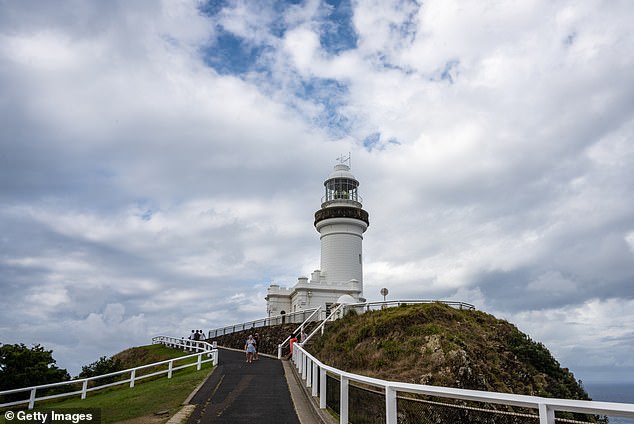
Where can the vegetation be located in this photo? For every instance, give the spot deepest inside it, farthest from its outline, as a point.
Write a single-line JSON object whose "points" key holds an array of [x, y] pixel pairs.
{"points": [[439, 345], [100, 367], [21, 366], [151, 400]]}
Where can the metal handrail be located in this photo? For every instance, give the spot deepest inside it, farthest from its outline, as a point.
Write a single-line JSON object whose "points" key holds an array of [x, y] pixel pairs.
{"points": [[393, 303], [288, 339], [262, 322], [323, 323]]}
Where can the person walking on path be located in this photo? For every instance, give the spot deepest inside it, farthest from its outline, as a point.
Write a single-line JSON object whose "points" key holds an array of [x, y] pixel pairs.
{"points": [[250, 348]]}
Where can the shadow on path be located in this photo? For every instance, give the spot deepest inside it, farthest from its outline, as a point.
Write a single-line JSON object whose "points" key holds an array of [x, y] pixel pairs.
{"points": [[238, 392]]}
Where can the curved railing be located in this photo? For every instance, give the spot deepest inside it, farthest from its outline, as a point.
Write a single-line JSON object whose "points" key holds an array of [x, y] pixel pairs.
{"points": [[290, 318], [315, 373], [186, 344], [203, 348], [370, 306]]}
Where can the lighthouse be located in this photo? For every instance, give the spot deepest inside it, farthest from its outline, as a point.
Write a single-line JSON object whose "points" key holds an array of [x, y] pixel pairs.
{"points": [[341, 222]]}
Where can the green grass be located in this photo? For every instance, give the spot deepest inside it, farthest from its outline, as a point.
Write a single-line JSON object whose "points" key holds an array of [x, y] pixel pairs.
{"points": [[443, 346], [149, 396]]}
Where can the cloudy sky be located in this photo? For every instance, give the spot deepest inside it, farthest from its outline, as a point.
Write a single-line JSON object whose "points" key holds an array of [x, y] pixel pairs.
{"points": [[160, 163]]}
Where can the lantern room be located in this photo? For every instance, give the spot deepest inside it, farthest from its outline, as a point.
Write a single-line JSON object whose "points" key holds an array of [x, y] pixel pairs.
{"points": [[341, 188]]}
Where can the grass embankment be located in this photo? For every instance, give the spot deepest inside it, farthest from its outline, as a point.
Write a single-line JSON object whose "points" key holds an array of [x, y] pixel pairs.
{"points": [[438, 345], [152, 400]]}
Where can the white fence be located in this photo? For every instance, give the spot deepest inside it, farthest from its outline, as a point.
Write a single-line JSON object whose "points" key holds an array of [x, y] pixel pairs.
{"points": [[298, 331], [291, 318], [372, 306], [203, 348], [314, 373]]}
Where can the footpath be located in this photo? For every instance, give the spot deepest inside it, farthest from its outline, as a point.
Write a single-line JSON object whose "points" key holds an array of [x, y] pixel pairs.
{"points": [[257, 392]]}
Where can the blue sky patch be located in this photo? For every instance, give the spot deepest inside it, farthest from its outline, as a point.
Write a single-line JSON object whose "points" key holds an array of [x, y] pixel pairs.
{"points": [[337, 31], [450, 72], [212, 7], [373, 141], [230, 54], [332, 95]]}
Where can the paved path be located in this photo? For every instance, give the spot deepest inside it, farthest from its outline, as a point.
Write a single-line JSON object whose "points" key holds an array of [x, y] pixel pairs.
{"points": [[238, 392]]}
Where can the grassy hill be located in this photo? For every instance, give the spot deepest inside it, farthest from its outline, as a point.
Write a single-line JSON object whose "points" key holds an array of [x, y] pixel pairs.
{"points": [[152, 400], [438, 345]]}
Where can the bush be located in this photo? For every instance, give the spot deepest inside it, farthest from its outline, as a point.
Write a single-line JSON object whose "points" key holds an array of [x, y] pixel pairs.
{"points": [[100, 367]]}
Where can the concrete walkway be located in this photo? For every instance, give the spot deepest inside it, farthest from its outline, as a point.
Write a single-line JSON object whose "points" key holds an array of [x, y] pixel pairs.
{"points": [[239, 392]]}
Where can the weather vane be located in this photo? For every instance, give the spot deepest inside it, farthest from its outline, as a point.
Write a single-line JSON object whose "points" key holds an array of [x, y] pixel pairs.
{"points": [[343, 159]]}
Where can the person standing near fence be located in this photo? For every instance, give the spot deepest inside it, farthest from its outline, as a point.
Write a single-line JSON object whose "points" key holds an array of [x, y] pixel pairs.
{"points": [[249, 347], [292, 341]]}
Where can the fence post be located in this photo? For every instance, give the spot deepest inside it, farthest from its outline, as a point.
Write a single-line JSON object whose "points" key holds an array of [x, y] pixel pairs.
{"points": [[169, 369], [309, 372], [84, 389], [132, 375], [546, 414], [200, 355], [279, 351], [390, 405], [343, 400], [315, 377], [32, 398], [322, 388]]}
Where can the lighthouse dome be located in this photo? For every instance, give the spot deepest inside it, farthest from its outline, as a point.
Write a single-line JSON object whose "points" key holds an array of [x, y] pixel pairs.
{"points": [[342, 171]]}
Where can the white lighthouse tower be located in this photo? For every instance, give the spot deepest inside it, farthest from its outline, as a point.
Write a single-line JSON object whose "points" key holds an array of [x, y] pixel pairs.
{"points": [[341, 222]]}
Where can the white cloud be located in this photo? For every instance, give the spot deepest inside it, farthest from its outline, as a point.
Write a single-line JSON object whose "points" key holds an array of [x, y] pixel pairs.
{"points": [[585, 336], [630, 240], [302, 45]]}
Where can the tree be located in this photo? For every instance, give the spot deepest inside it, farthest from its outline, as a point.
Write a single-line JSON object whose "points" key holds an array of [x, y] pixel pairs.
{"points": [[102, 366], [21, 366]]}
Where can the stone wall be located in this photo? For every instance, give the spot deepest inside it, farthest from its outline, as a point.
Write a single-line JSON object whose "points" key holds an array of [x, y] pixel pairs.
{"points": [[270, 337]]}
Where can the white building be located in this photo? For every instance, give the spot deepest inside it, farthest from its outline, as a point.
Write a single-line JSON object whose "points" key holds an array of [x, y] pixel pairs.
{"points": [[341, 222]]}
